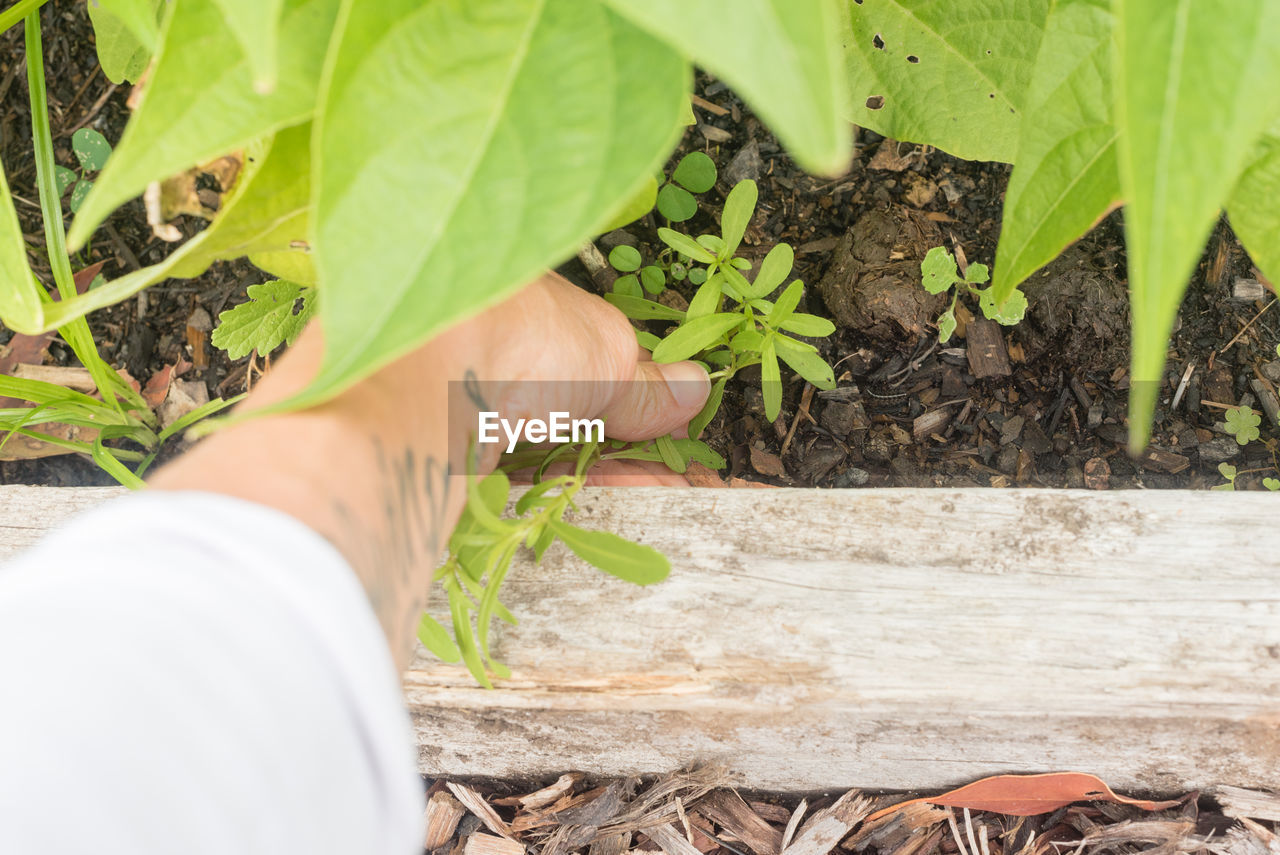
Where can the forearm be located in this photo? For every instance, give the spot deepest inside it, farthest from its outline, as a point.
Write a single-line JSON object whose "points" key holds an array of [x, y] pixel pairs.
{"points": [[369, 472]]}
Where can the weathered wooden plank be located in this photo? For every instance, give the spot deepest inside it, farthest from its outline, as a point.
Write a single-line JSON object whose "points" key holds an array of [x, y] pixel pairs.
{"points": [[890, 639]]}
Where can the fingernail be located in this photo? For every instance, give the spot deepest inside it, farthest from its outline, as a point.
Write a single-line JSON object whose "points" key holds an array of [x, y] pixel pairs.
{"points": [[688, 383]]}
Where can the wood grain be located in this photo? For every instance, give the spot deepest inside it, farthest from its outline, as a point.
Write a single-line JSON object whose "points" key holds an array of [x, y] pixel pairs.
{"points": [[888, 639]]}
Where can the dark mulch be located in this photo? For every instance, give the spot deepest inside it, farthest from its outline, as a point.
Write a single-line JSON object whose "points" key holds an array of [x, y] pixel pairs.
{"points": [[906, 413], [690, 813]]}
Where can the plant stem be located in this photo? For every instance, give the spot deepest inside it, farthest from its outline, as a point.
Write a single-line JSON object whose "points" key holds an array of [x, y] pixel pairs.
{"points": [[18, 11]]}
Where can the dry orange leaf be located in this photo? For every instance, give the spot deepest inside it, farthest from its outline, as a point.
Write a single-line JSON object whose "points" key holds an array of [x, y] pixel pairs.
{"points": [[1028, 795]]}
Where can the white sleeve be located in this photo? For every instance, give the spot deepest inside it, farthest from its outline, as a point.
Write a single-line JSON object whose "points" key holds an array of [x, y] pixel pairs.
{"points": [[187, 672]]}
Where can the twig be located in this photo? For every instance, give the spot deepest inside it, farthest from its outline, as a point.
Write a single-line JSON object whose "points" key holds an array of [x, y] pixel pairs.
{"points": [[806, 398], [1246, 327], [1182, 387], [95, 109], [699, 101]]}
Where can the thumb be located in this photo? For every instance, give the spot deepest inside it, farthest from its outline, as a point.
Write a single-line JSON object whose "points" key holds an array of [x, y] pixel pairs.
{"points": [[661, 398]]}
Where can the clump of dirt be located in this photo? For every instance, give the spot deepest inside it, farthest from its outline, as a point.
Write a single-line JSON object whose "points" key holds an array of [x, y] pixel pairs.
{"points": [[872, 282]]}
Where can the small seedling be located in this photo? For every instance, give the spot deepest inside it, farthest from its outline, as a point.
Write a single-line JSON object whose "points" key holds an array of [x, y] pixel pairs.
{"points": [[91, 150], [1229, 472], [271, 316], [939, 273], [1242, 423], [637, 280], [1272, 484], [695, 173], [749, 329]]}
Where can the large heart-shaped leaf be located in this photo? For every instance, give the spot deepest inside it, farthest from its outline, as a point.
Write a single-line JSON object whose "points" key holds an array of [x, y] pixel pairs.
{"points": [[201, 103], [1065, 177], [518, 128], [1196, 85], [1254, 207], [782, 56], [124, 48], [953, 75], [138, 17], [256, 24]]}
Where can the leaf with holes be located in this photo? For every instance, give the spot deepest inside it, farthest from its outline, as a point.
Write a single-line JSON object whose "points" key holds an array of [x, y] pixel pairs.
{"points": [[272, 316], [1195, 89], [1065, 178], [781, 56], [953, 75], [91, 149], [506, 191]]}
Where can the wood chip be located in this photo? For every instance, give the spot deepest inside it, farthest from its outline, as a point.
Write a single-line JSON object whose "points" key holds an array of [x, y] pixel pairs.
{"points": [[670, 840], [441, 820], [549, 794], [1164, 461], [709, 106], [1256, 804], [826, 828], [793, 823], [715, 134], [927, 424], [727, 809], [488, 844], [475, 803], [986, 349], [767, 463], [770, 812]]}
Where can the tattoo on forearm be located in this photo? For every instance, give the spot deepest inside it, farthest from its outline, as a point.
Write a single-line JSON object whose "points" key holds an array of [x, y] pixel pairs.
{"points": [[392, 549]]}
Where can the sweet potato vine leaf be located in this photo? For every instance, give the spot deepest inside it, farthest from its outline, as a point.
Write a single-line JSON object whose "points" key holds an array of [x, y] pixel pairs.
{"points": [[1028, 795]]}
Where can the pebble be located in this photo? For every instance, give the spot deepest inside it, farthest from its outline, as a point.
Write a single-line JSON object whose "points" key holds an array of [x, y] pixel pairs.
{"points": [[1219, 450], [851, 477], [746, 164], [1271, 370]]}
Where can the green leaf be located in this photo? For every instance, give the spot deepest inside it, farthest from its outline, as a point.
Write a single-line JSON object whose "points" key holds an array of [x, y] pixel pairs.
{"points": [[1010, 313], [639, 309], [1195, 88], [739, 205], [1065, 178], [123, 52], [698, 275], [640, 203], [434, 637], [808, 325], [625, 258], [786, 304], [21, 303], [136, 16], [953, 75], [805, 362], [685, 245], [695, 335], [266, 320], [199, 103], [938, 271], [781, 56], [694, 450], [256, 24], [509, 191], [708, 411], [774, 270], [65, 178], [977, 274], [695, 172], [91, 149], [1254, 207], [266, 212], [670, 454], [631, 562], [647, 340], [628, 286], [1242, 423], [676, 203], [653, 279], [946, 325], [1271, 484], [79, 192], [707, 299], [770, 379]]}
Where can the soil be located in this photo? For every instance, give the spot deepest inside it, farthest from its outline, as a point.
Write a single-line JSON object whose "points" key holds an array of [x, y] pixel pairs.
{"points": [[1039, 404]]}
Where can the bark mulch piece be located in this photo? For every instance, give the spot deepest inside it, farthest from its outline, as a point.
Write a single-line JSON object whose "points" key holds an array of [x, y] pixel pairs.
{"points": [[690, 813]]}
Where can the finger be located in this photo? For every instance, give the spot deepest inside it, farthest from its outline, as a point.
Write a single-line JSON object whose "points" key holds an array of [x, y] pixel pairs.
{"points": [[661, 398]]}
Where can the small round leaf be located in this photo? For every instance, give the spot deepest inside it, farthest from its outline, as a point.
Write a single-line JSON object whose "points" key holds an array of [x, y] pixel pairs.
{"points": [[91, 149], [698, 275], [79, 192], [676, 203], [628, 286], [625, 258], [696, 172], [653, 279]]}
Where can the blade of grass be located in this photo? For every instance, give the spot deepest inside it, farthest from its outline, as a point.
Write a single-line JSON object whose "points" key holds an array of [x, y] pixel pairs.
{"points": [[18, 11]]}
